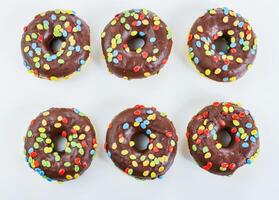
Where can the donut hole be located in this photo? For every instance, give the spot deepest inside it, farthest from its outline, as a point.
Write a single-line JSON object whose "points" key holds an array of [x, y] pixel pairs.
{"points": [[224, 137], [55, 44], [222, 44], [136, 42], [60, 144], [141, 141]]}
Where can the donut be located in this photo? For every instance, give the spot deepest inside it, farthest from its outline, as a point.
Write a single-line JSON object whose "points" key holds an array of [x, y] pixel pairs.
{"points": [[222, 45], [136, 44], [205, 131], [40, 149], [151, 162], [42, 58]]}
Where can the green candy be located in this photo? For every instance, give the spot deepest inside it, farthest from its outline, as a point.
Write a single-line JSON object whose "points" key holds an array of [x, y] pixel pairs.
{"points": [[76, 168], [67, 164], [36, 145], [81, 151], [68, 150], [29, 133]]}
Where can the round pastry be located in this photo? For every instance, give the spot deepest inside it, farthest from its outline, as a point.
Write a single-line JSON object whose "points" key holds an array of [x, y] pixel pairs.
{"points": [[55, 44], [156, 157], [41, 148], [222, 45], [136, 44], [210, 125]]}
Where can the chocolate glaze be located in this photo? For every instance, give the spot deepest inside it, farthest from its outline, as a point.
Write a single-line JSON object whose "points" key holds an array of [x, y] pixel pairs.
{"points": [[136, 23], [226, 24], [80, 148], [160, 153], [38, 35], [204, 144]]}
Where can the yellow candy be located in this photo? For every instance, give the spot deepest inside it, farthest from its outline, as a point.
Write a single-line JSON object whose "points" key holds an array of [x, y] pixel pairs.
{"points": [[87, 128], [145, 163], [113, 22], [145, 173], [239, 60], [156, 22], [86, 48], [207, 155], [133, 157], [121, 140], [26, 49], [145, 22], [218, 145], [57, 125], [132, 143], [114, 146], [150, 146], [81, 137], [146, 74], [36, 59], [212, 12], [159, 145], [217, 71], [134, 33], [44, 122], [230, 32], [152, 135], [76, 127], [40, 27], [46, 113], [226, 19], [124, 152], [135, 164], [153, 175], [151, 156], [200, 29], [207, 72], [161, 169], [195, 136], [197, 37], [136, 124], [69, 177]]}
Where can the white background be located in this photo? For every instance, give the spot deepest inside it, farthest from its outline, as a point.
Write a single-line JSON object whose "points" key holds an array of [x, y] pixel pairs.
{"points": [[178, 90]]}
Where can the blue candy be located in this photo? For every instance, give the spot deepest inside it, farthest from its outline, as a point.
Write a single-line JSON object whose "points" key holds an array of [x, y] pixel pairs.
{"points": [[245, 145], [125, 126], [198, 43], [248, 125], [196, 60], [138, 119]]}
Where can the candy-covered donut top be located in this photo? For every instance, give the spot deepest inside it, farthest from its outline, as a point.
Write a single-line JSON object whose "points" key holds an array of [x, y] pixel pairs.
{"points": [[42, 31], [120, 145], [142, 61], [241, 45], [40, 150], [207, 150]]}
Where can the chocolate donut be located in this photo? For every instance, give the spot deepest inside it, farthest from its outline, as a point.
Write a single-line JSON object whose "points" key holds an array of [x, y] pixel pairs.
{"points": [[205, 129], [157, 158], [42, 154], [222, 45], [44, 32], [152, 41]]}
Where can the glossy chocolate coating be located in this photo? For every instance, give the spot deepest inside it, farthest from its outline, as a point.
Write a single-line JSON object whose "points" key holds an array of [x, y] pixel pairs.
{"points": [[208, 151], [241, 50], [40, 150], [42, 31], [142, 62], [152, 162]]}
